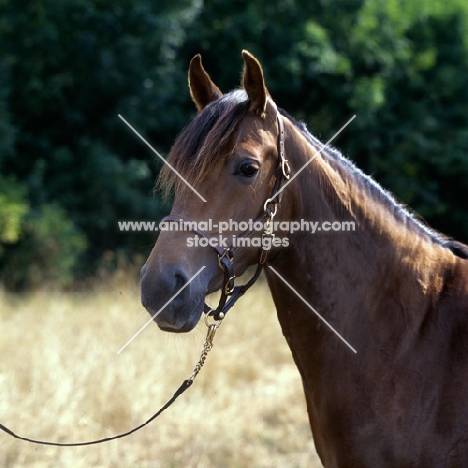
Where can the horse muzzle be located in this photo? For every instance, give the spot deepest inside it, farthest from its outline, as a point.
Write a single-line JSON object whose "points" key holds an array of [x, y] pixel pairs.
{"points": [[173, 301]]}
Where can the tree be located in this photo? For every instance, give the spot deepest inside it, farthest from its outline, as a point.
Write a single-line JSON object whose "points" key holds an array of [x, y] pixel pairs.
{"points": [[76, 65]]}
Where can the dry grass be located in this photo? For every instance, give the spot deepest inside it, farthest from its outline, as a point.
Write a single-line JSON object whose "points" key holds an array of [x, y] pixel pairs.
{"points": [[61, 379]]}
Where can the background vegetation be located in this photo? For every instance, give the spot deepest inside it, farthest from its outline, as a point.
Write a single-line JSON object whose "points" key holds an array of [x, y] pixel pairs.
{"points": [[69, 168]]}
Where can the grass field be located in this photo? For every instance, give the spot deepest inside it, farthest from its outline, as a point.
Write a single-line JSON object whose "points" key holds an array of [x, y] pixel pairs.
{"points": [[61, 379]]}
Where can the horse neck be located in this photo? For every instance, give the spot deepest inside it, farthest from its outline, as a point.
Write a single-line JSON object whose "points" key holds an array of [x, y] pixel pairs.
{"points": [[389, 267]]}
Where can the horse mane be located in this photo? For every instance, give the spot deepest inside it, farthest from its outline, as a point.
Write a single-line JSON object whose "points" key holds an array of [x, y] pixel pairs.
{"points": [[202, 142], [207, 136], [457, 248], [376, 191]]}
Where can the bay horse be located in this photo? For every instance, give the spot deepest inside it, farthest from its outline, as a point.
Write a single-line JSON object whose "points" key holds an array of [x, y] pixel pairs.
{"points": [[395, 289]]}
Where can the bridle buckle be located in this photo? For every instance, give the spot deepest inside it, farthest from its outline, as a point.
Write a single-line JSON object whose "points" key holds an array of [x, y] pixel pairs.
{"points": [[270, 214], [226, 254], [286, 169], [225, 262], [229, 286]]}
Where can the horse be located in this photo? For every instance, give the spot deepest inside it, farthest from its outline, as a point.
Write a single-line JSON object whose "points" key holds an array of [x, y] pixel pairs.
{"points": [[395, 289]]}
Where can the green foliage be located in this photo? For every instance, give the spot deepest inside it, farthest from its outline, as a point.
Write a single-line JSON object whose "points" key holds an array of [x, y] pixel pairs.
{"points": [[37, 246], [417, 142], [46, 252], [13, 208], [69, 67]]}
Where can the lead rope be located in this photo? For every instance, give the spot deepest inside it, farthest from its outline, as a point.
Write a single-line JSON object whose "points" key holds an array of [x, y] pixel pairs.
{"points": [[208, 345]]}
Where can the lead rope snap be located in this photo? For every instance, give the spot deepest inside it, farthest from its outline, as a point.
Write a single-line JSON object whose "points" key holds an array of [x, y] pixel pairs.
{"points": [[208, 346]]}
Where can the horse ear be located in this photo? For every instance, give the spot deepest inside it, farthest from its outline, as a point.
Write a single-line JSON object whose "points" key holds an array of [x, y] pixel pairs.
{"points": [[202, 89], [254, 83]]}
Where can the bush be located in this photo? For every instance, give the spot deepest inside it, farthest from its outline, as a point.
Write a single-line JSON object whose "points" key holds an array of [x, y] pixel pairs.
{"points": [[46, 251], [13, 208]]}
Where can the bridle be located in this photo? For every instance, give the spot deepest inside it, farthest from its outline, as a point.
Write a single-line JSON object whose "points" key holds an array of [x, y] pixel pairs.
{"points": [[229, 292]]}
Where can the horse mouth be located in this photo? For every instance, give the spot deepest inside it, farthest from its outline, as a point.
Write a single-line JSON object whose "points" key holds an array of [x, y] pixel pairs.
{"points": [[182, 320]]}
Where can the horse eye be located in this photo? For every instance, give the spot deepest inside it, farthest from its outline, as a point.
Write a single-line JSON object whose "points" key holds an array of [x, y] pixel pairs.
{"points": [[247, 169]]}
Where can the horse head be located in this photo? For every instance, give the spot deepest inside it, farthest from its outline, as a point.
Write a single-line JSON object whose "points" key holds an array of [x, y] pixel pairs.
{"points": [[224, 168]]}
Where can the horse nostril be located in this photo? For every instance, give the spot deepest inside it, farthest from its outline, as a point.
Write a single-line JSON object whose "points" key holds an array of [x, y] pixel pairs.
{"points": [[181, 280], [181, 294], [156, 290]]}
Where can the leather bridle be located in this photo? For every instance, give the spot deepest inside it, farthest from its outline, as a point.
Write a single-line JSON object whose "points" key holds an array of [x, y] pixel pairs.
{"points": [[229, 292]]}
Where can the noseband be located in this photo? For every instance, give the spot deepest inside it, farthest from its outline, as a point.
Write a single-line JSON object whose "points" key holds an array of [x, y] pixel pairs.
{"points": [[229, 292]]}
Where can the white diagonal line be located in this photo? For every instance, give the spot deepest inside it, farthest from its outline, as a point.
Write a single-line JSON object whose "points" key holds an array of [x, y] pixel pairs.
{"points": [[163, 160], [311, 308], [160, 310], [311, 159]]}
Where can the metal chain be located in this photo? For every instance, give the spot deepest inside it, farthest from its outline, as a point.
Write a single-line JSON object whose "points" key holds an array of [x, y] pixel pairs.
{"points": [[207, 347]]}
